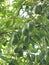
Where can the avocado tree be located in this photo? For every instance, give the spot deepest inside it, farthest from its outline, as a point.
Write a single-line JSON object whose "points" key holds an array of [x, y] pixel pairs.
{"points": [[24, 32]]}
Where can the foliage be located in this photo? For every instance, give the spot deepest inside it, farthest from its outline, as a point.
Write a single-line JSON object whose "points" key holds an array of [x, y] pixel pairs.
{"points": [[24, 32]]}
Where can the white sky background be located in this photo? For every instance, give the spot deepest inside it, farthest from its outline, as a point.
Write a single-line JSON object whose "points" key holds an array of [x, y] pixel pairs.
{"points": [[10, 1]]}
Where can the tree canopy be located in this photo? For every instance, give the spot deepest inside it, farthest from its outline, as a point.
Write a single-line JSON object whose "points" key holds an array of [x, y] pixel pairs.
{"points": [[24, 32]]}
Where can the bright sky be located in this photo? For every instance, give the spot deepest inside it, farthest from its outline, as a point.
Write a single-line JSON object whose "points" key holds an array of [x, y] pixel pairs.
{"points": [[10, 1]]}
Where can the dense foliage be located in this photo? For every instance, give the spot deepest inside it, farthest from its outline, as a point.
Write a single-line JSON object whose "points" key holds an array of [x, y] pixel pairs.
{"points": [[24, 32]]}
